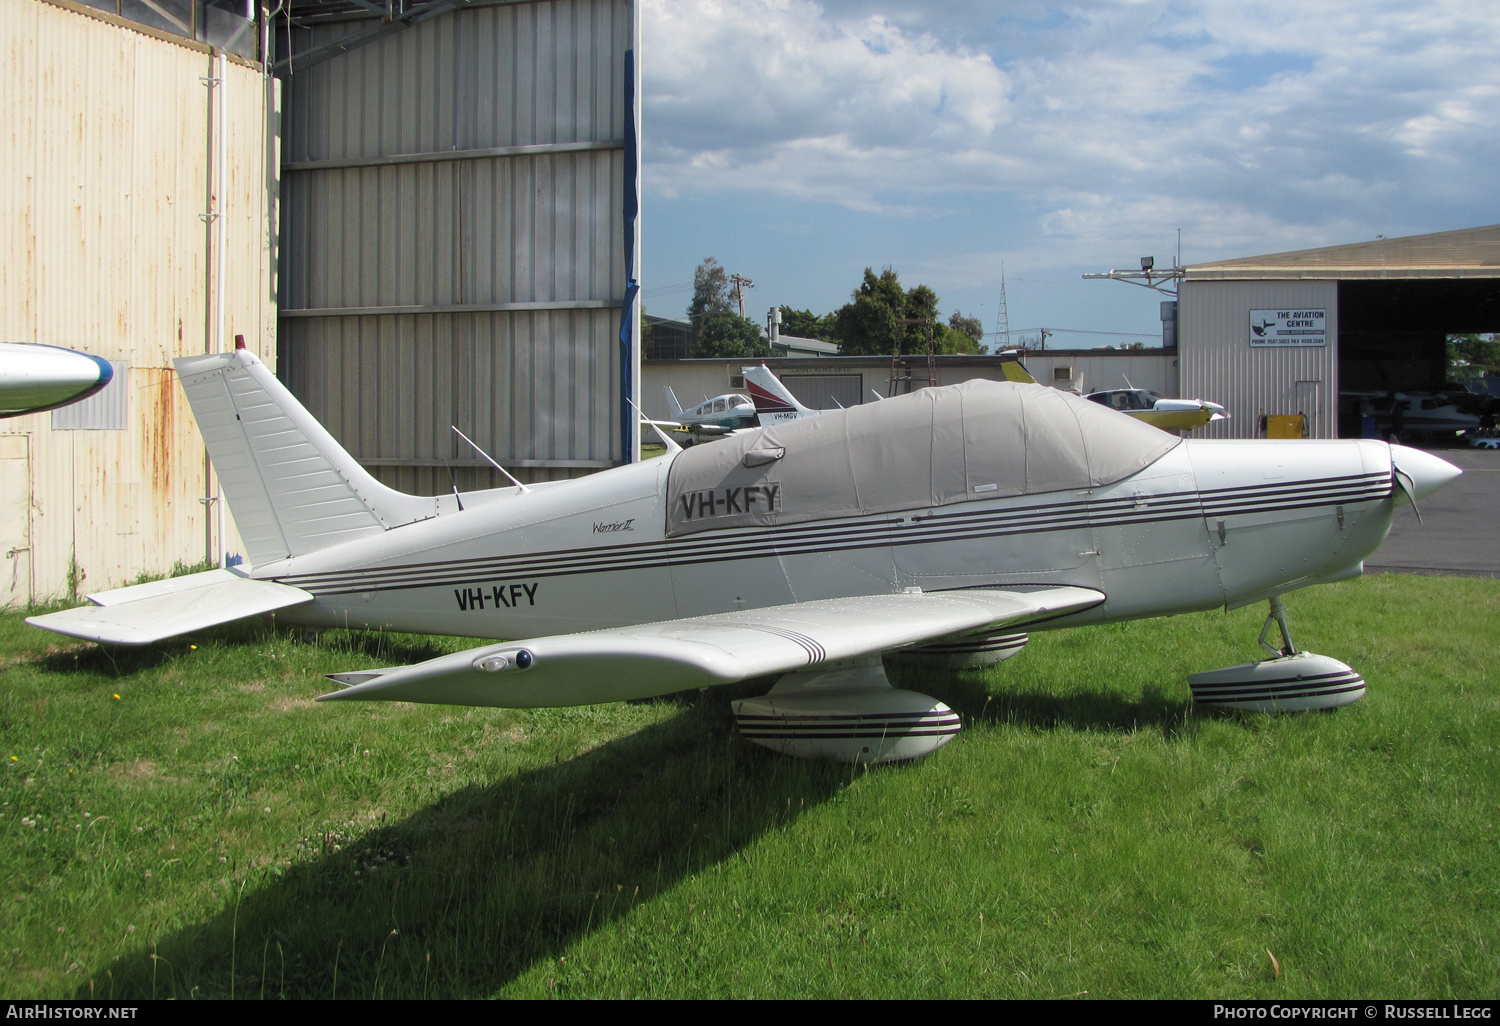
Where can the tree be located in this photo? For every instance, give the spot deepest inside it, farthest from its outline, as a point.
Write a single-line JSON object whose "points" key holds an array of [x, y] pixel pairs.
{"points": [[806, 324], [710, 292], [1472, 356], [971, 329], [873, 323], [729, 334]]}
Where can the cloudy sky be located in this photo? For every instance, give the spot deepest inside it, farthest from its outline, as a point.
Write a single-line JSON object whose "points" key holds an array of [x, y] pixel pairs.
{"points": [[799, 141]]}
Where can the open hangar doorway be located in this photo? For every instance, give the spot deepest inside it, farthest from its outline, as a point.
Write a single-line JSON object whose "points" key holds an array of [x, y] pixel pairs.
{"points": [[1393, 334]]}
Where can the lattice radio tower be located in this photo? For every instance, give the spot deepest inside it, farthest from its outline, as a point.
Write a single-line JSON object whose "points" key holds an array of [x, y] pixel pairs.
{"points": [[1002, 318]]}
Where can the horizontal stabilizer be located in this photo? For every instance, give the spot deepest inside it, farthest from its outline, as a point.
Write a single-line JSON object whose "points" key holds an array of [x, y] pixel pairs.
{"points": [[675, 655], [153, 612]]}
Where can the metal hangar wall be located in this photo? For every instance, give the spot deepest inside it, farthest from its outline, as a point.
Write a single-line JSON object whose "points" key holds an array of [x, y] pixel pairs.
{"points": [[1287, 333], [459, 235], [137, 222]]}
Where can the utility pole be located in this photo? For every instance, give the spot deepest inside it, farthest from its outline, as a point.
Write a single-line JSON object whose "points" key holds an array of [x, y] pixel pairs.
{"points": [[741, 283]]}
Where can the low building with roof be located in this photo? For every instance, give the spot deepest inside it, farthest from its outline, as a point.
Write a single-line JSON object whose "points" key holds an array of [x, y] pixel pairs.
{"points": [[1287, 333]]}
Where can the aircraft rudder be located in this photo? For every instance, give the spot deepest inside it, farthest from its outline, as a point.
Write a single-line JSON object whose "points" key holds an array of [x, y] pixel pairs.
{"points": [[768, 393], [290, 485]]}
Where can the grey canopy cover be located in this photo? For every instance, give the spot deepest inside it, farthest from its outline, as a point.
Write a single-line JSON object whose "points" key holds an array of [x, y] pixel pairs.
{"points": [[958, 443]]}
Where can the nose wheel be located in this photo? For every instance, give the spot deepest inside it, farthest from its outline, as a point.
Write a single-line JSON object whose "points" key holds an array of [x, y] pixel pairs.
{"points": [[1291, 681]]}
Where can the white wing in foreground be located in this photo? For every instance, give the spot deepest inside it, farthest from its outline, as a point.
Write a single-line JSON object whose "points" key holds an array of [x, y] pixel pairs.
{"points": [[147, 613], [674, 655]]}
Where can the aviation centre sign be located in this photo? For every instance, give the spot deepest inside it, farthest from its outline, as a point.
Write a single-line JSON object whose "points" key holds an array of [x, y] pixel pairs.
{"points": [[1277, 328]]}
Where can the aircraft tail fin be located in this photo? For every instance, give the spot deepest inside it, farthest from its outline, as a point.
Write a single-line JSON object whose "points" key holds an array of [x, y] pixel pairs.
{"points": [[672, 402], [1015, 370], [772, 399], [292, 488]]}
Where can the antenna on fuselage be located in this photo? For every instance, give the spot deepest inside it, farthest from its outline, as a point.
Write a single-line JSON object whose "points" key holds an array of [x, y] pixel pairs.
{"points": [[508, 476]]}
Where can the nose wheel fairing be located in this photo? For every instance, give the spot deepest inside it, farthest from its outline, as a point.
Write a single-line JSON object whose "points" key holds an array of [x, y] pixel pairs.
{"points": [[1289, 683], [1292, 681]]}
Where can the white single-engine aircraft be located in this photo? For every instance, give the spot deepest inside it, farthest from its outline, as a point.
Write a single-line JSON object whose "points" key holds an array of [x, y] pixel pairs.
{"points": [[1158, 410], [956, 513], [710, 419], [35, 378]]}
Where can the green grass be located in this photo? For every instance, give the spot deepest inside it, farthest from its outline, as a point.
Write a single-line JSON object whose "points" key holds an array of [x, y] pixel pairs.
{"points": [[1090, 831]]}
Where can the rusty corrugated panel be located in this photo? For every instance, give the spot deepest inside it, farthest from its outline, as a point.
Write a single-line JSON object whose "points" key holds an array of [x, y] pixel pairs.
{"points": [[108, 253], [1218, 362]]}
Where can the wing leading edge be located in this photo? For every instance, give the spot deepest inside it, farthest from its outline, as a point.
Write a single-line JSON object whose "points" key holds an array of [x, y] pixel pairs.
{"points": [[674, 655]]}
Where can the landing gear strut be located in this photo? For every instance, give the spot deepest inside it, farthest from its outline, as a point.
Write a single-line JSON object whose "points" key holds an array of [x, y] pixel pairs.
{"points": [[1277, 615]]}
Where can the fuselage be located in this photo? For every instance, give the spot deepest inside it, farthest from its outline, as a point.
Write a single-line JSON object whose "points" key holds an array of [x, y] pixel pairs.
{"points": [[1209, 524]]}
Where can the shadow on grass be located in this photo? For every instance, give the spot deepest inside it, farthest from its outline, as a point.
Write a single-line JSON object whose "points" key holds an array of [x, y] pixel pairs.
{"points": [[466, 894], [970, 694]]}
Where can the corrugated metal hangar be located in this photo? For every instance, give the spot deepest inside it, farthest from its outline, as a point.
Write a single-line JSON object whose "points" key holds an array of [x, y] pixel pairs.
{"points": [[459, 201], [1285, 334], [451, 200]]}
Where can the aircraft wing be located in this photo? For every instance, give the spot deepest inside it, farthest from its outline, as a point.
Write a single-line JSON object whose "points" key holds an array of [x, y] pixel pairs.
{"points": [[147, 613], [696, 429], [700, 651]]}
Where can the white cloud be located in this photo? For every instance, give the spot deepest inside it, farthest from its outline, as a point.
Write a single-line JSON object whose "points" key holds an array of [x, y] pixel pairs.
{"points": [[1283, 124], [731, 86]]}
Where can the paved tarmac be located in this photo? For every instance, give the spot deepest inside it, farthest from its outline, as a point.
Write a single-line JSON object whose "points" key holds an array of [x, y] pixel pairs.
{"points": [[1460, 528]]}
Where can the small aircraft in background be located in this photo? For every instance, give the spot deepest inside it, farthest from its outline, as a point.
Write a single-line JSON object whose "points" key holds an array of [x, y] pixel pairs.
{"points": [[1423, 413], [1144, 405], [35, 378], [712, 418], [1159, 411]]}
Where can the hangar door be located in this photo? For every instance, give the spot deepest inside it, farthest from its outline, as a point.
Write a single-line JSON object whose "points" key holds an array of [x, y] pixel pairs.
{"points": [[1393, 333], [459, 214]]}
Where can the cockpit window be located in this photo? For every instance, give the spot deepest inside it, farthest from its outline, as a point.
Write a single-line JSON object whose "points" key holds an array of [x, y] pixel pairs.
{"points": [[977, 441]]}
